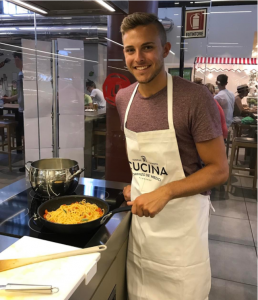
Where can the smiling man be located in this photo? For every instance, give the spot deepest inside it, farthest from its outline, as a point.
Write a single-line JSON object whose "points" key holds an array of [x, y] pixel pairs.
{"points": [[170, 125]]}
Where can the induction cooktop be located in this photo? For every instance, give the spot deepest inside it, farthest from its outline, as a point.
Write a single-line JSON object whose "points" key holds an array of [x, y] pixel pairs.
{"points": [[16, 215]]}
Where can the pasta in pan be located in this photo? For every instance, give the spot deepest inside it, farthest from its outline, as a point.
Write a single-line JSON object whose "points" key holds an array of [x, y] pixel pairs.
{"points": [[75, 213]]}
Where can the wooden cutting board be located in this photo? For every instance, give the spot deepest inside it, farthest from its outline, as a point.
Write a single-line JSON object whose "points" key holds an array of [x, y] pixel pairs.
{"points": [[64, 273]]}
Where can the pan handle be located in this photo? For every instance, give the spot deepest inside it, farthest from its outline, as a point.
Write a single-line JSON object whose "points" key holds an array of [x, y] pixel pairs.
{"points": [[76, 173], [26, 167], [117, 210]]}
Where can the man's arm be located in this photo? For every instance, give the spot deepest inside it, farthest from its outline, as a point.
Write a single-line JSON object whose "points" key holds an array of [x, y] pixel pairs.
{"points": [[214, 173], [10, 99]]}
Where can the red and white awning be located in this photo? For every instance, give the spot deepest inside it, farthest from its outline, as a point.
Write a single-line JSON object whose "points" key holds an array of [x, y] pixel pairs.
{"points": [[226, 60]]}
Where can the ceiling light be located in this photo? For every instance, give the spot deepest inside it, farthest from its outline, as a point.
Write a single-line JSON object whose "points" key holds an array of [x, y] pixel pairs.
{"points": [[104, 4], [114, 42], [210, 76], [176, 2], [225, 43], [92, 38], [171, 52], [231, 12], [71, 49], [176, 14], [8, 29], [179, 26], [31, 7]]}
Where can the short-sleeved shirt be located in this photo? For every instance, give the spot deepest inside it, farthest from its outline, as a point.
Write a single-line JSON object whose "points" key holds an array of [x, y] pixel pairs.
{"points": [[87, 99], [196, 117], [98, 97], [226, 100]]}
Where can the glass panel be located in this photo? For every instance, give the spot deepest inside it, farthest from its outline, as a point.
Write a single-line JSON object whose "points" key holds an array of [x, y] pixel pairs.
{"points": [[16, 75], [79, 59]]}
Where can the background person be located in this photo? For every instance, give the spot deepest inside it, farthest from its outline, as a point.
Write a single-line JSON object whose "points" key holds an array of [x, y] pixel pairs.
{"points": [[211, 88], [170, 124], [243, 91], [225, 98], [20, 98], [96, 94]]}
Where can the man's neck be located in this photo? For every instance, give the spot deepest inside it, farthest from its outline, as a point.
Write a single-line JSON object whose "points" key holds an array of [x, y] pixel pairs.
{"points": [[221, 88], [156, 85]]}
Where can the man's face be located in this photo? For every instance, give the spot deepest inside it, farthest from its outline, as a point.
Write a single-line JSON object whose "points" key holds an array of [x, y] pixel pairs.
{"points": [[144, 54], [246, 92], [89, 89]]}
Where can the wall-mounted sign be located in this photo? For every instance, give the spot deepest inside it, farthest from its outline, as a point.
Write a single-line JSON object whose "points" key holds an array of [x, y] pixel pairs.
{"points": [[113, 83], [195, 23]]}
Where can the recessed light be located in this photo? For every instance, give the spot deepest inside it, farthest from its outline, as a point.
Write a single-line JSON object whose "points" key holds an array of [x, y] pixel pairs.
{"points": [[31, 7], [104, 4]]}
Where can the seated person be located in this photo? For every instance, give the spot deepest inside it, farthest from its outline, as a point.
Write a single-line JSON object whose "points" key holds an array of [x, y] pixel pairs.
{"points": [[96, 94], [239, 110], [87, 101]]}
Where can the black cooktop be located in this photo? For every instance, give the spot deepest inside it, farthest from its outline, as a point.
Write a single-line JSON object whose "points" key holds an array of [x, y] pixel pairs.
{"points": [[16, 215]]}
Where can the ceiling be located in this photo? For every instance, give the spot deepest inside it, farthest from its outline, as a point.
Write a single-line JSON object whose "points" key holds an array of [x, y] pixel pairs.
{"points": [[79, 8]]}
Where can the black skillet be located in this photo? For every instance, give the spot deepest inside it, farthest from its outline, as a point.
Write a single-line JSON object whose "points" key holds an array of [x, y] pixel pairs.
{"points": [[55, 203]]}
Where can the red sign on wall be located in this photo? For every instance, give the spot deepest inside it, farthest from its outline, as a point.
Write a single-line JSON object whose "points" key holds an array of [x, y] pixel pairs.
{"points": [[195, 23], [113, 83]]}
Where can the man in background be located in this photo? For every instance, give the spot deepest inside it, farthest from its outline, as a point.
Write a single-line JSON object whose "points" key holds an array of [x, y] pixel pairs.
{"points": [[96, 94], [20, 98], [225, 98]]}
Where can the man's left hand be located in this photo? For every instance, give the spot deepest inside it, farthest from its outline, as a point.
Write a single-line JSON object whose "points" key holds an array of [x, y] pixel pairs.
{"points": [[149, 204]]}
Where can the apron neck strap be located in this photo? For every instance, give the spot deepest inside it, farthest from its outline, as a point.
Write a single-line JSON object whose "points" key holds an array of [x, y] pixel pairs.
{"points": [[169, 101]]}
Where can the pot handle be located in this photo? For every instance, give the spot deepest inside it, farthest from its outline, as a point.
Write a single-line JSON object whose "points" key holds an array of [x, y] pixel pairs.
{"points": [[28, 162], [76, 173], [117, 210]]}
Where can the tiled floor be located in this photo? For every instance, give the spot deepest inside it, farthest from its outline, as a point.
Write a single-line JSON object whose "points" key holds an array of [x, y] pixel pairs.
{"points": [[233, 241]]}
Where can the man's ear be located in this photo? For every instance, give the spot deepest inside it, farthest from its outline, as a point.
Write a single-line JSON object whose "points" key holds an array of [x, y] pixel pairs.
{"points": [[166, 49]]}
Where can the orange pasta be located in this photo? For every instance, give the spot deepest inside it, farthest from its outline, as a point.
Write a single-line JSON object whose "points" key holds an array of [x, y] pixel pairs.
{"points": [[75, 213]]}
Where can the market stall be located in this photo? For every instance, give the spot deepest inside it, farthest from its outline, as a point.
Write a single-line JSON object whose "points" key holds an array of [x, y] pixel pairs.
{"points": [[239, 71]]}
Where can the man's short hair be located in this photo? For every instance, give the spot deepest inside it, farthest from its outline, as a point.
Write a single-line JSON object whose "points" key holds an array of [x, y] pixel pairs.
{"points": [[90, 83], [222, 79], [143, 19], [17, 54]]}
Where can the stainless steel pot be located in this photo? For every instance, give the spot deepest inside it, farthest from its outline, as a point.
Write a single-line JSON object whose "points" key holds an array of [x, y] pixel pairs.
{"points": [[54, 176]]}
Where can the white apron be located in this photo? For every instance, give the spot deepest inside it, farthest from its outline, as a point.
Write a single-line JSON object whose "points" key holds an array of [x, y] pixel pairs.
{"points": [[168, 256]]}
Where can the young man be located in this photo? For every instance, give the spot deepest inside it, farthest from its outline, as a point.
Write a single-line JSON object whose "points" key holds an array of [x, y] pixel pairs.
{"points": [[243, 91], [169, 124], [225, 98], [96, 94]]}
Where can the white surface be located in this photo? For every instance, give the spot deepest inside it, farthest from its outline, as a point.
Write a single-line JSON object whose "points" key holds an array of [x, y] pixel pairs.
{"points": [[64, 273], [71, 96], [241, 30], [31, 133], [71, 131], [45, 96]]}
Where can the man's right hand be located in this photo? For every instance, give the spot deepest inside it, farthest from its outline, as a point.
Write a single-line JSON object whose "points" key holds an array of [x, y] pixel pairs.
{"points": [[127, 193]]}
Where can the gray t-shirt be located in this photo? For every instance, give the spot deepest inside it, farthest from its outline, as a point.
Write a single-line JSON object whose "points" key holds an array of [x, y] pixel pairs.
{"points": [[226, 100], [196, 117], [98, 97]]}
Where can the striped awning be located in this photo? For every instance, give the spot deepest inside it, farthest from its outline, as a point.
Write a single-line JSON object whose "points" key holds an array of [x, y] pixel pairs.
{"points": [[226, 60]]}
